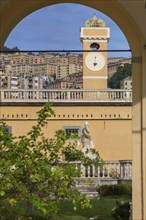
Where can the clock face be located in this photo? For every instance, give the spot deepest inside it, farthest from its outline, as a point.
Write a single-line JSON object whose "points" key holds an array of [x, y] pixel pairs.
{"points": [[95, 61]]}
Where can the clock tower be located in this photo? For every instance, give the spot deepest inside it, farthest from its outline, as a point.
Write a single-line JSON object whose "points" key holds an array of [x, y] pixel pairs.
{"points": [[94, 36]]}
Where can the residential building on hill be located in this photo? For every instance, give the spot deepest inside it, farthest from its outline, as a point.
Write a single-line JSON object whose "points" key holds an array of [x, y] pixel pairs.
{"points": [[126, 83]]}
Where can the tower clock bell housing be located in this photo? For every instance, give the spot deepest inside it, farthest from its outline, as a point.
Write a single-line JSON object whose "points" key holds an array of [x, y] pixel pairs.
{"points": [[95, 36]]}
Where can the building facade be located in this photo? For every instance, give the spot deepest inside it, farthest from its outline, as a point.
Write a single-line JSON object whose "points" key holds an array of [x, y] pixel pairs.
{"points": [[132, 26]]}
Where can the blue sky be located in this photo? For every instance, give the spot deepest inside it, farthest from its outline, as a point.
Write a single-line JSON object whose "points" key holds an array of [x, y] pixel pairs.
{"points": [[57, 27]]}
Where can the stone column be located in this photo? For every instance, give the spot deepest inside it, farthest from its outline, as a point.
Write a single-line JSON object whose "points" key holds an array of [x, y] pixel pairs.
{"points": [[139, 138]]}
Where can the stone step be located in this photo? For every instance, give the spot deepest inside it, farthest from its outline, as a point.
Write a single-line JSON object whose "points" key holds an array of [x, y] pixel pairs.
{"points": [[91, 195], [86, 188]]}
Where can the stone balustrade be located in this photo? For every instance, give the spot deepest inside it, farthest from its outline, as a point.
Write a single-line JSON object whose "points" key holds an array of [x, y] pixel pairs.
{"points": [[80, 95], [116, 169]]}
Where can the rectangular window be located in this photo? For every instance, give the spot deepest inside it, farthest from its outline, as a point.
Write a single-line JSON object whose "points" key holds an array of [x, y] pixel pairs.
{"points": [[8, 129], [72, 130]]}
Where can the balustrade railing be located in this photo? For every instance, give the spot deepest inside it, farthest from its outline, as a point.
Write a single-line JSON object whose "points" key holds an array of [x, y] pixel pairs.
{"points": [[121, 169], [108, 95]]}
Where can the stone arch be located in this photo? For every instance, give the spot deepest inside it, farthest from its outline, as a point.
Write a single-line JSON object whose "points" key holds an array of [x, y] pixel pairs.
{"points": [[20, 9], [128, 16]]}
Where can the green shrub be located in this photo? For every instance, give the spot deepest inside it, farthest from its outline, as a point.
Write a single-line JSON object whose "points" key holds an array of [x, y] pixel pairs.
{"points": [[121, 211], [115, 190]]}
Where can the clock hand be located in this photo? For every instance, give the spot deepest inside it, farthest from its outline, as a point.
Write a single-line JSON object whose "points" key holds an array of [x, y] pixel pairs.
{"points": [[94, 64]]}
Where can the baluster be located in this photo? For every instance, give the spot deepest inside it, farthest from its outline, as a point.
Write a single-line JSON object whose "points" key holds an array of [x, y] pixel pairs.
{"points": [[87, 171], [121, 171], [113, 170], [93, 170], [121, 95], [52, 95], [8, 94], [117, 169], [108, 171], [107, 98], [22, 95], [70, 95], [86, 96], [103, 172], [114, 95], [42, 95], [83, 170], [117, 94], [64, 95], [90, 171], [47, 95], [130, 170], [125, 170], [75, 95], [111, 95], [37, 95], [25, 93], [97, 95], [98, 172], [79, 95], [56, 95], [31, 95], [3, 95]]}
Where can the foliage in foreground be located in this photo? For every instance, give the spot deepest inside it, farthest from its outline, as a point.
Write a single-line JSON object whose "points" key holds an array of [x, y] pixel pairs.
{"points": [[33, 172], [101, 210], [121, 210]]}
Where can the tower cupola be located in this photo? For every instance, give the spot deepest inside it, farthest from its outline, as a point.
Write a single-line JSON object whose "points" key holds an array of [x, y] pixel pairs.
{"points": [[95, 22]]}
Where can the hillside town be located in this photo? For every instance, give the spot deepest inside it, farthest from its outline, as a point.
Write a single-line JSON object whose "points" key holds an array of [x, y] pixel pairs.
{"points": [[50, 70]]}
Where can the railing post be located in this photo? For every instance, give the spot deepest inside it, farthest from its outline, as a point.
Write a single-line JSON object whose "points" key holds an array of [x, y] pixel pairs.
{"points": [[1, 95], [37, 95], [83, 170], [68, 95]]}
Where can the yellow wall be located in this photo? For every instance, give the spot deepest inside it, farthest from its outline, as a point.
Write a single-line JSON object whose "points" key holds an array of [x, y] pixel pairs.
{"points": [[110, 126], [93, 32]]}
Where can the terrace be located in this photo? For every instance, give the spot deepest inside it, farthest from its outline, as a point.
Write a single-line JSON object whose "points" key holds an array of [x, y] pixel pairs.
{"points": [[67, 96]]}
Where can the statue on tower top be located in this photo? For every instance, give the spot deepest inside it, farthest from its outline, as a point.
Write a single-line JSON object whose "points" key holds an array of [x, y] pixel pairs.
{"points": [[95, 22]]}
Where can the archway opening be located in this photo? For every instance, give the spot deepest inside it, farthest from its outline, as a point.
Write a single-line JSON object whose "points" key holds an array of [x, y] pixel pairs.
{"points": [[130, 32], [28, 36]]}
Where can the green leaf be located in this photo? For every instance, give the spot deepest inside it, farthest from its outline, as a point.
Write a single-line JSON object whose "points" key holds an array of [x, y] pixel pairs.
{"points": [[2, 193]]}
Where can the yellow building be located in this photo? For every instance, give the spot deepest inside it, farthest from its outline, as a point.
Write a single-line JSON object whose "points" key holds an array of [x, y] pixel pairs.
{"points": [[95, 36], [108, 112], [130, 16], [110, 126]]}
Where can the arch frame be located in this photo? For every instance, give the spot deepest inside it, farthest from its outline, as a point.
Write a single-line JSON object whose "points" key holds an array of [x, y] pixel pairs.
{"points": [[128, 17]]}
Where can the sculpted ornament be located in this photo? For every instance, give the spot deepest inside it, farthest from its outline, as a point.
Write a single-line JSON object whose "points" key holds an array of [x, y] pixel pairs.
{"points": [[86, 142]]}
